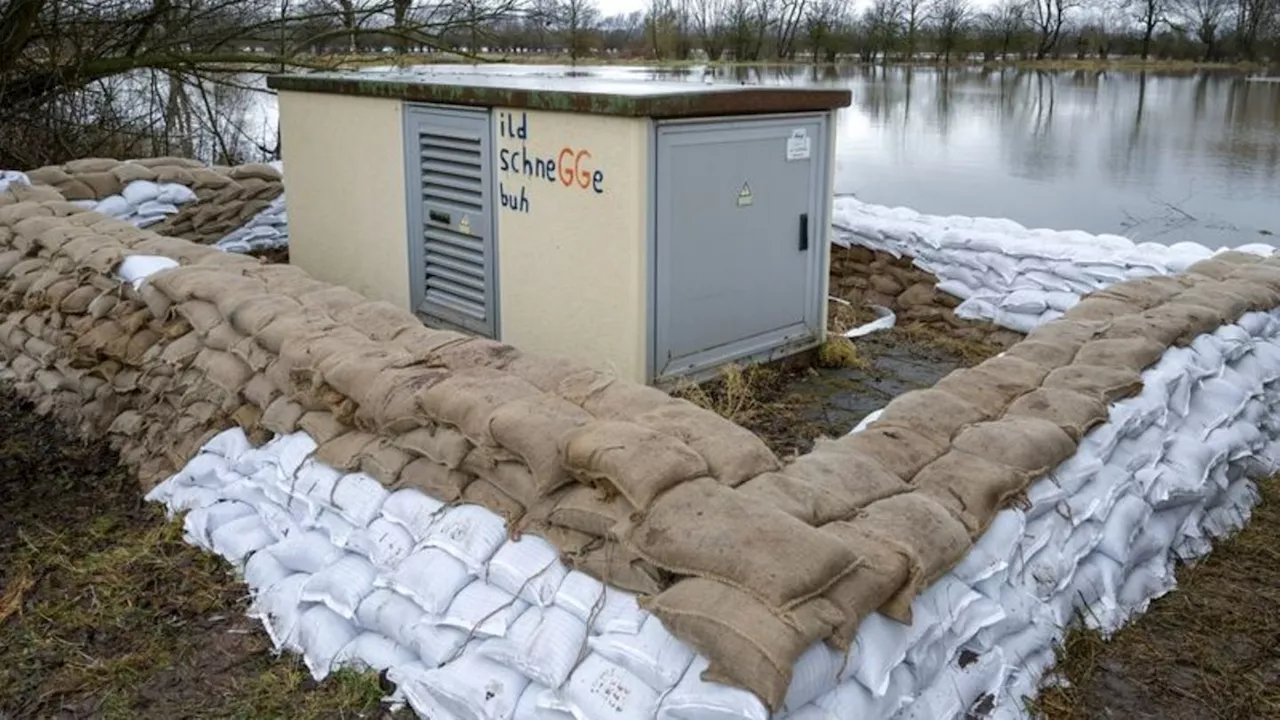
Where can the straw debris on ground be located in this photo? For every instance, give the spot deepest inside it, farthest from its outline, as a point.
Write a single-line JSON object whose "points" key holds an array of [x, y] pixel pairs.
{"points": [[106, 612], [1208, 649]]}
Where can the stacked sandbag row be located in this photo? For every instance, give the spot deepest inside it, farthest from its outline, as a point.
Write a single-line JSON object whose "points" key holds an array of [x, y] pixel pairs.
{"points": [[1007, 274], [1094, 541], [466, 621], [876, 516], [268, 230], [244, 192], [142, 192], [864, 277]]}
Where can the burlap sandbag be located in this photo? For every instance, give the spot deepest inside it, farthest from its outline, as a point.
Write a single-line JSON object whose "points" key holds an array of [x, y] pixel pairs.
{"points": [[884, 569], [24, 367], [1259, 295], [486, 494], [747, 643], [380, 320], [936, 414], [933, 540], [824, 485], [1143, 293], [321, 426], [77, 301], [1076, 413], [1025, 443], [282, 416], [638, 462], [468, 398], [1215, 296], [352, 371], [612, 564], [900, 450], [443, 445], [102, 305], [389, 405], [383, 461], [1163, 324], [202, 316], [1128, 353], [733, 453], [434, 479], [222, 337], [285, 327], [260, 391], [585, 509], [972, 488], [1047, 354], [332, 299], [472, 353], [1212, 267], [223, 369], [345, 451], [423, 342], [250, 314], [1100, 309], [706, 529], [183, 351], [302, 354], [623, 400], [102, 334], [1259, 273], [544, 373], [506, 472], [8, 260], [1106, 383], [994, 384], [531, 428], [249, 352]]}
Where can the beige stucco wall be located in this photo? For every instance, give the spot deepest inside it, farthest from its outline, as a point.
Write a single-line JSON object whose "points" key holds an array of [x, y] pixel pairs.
{"points": [[572, 260], [344, 180]]}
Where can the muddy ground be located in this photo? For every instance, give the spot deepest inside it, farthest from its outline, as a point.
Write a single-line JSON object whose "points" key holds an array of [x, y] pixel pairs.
{"points": [[105, 612]]}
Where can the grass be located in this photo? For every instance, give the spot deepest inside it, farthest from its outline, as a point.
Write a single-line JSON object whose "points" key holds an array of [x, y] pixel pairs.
{"points": [[106, 612], [1209, 649], [970, 352], [840, 352]]}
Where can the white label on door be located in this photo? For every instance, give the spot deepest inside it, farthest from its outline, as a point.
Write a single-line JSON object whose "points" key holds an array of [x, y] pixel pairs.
{"points": [[464, 225], [745, 197], [798, 145]]}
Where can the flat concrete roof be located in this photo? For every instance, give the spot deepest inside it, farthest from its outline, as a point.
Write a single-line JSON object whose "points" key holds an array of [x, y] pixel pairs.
{"points": [[564, 90]]}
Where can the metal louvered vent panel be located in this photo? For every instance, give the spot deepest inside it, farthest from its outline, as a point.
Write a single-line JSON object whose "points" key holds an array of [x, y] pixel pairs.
{"points": [[457, 248]]}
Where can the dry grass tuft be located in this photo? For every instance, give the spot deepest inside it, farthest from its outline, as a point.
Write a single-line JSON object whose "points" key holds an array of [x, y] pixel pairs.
{"points": [[1209, 649], [737, 394], [971, 352], [840, 352]]}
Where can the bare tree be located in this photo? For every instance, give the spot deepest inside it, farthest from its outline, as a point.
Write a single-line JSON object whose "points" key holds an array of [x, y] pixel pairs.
{"points": [[707, 18], [1003, 23], [950, 18], [1048, 17], [1205, 17], [823, 21], [914, 13], [577, 21], [883, 21], [1149, 15]]}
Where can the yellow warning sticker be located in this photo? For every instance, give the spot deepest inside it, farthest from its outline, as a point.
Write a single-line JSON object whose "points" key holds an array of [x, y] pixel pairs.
{"points": [[744, 196]]}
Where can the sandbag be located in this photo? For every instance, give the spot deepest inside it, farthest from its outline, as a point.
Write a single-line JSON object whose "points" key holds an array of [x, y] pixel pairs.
{"points": [[1025, 443], [934, 413], [484, 493], [1143, 293], [321, 426], [824, 485], [469, 396], [639, 462], [972, 488], [885, 568], [1076, 413], [389, 403], [748, 644], [282, 416], [532, 428], [584, 509], [614, 565], [1129, 353], [994, 384], [705, 529], [900, 450], [435, 480], [506, 472], [345, 451], [1100, 309], [1048, 355], [733, 453], [383, 461], [1107, 383], [443, 445], [223, 369]]}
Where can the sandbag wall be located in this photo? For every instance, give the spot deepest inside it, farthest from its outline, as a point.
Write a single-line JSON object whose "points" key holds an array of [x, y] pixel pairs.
{"points": [[174, 196], [1005, 273], [746, 561]]}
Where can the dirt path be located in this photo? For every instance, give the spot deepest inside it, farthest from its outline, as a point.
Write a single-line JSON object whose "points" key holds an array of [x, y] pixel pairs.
{"points": [[105, 612]]}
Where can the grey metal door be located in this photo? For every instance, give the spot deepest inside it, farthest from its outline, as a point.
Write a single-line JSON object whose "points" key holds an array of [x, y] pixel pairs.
{"points": [[451, 226], [738, 226]]}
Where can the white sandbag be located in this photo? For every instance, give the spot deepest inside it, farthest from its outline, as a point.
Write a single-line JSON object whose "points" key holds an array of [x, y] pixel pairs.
{"points": [[175, 194], [470, 533], [236, 539], [199, 524], [1025, 302], [538, 702], [229, 444], [431, 577], [388, 613], [619, 613], [482, 610], [308, 552], [529, 568], [154, 210], [140, 191], [371, 651], [409, 679], [189, 497], [960, 688], [262, 571], [580, 594], [990, 555], [659, 658], [358, 498], [280, 608], [322, 634], [851, 700], [544, 644], [1123, 525], [1094, 501], [290, 452], [333, 524], [114, 205], [342, 585], [315, 482], [474, 687], [695, 699], [601, 689], [412, 510], [384, 543]]}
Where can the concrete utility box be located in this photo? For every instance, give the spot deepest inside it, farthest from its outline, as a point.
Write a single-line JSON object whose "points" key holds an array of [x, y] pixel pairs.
{"points": [[661, 228]]}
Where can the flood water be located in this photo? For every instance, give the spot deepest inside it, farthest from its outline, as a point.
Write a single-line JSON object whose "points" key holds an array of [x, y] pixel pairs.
{"points": [[1156, 156]]}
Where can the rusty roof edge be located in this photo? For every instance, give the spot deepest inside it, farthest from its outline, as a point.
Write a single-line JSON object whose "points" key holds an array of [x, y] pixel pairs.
{"points": [[715, 100]]}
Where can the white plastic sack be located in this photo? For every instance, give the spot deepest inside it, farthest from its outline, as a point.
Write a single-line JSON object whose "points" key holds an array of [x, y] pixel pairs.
{"points": [[474, 687], [358, 498], [470, 533], [695, 699], [371, 651], [431, 577], [322, 634], [342, 585], [482, 610], [545, 645], [412, 510], [601, 689], [654, 655], [529, 568]]}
